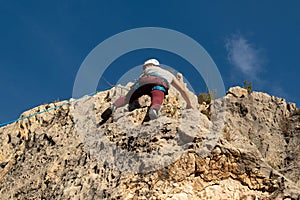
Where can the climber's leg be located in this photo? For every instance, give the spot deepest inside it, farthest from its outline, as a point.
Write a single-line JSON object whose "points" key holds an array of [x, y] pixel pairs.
{"points": [[157, 98], [133, 94]]}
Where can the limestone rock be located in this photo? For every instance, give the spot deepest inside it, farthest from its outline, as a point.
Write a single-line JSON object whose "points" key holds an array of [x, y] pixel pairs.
{"points": [[252, 152], [237, 92]]}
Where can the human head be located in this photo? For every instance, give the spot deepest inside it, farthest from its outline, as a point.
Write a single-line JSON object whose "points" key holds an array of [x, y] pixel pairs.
{"points": [[151, 62]]}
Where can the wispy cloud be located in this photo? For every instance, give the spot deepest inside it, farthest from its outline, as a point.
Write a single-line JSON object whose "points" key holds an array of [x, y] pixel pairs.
{"points": [[243, 55]]}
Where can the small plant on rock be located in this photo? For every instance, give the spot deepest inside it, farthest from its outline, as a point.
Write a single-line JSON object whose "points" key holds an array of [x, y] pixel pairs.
{"points": [[207, 113], [207, 97], [248, 86]]}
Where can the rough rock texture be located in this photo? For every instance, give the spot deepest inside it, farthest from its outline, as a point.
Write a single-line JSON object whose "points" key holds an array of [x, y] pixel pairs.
{"points": [[68, 154], [269, 123]]}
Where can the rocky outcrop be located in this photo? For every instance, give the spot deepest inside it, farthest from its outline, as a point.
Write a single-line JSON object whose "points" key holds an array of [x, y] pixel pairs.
{"points": [[270, 124], [250, 152]]}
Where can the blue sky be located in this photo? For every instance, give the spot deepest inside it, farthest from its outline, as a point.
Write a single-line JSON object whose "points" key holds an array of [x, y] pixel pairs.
{"points": [[43, 44]]}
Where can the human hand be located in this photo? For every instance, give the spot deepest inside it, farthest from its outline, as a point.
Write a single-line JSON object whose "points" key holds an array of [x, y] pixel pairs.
{"points": [[190, 106]]}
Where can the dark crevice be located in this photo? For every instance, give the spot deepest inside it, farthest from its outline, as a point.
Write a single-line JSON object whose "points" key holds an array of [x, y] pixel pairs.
{"points": [[49, 139]]}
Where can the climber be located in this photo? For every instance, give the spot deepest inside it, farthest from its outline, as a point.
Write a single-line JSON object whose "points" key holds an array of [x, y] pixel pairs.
{"points": [[155, 82]]}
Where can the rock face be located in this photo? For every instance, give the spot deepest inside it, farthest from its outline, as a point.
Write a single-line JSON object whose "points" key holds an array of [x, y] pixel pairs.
{"points": [[250, 152]]}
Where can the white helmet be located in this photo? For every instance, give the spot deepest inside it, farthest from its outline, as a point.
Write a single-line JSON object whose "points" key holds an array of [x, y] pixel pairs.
{"points": [[152, 61]]}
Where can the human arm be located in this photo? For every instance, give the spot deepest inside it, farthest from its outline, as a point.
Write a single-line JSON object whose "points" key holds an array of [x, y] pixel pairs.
{"points": [[183, 92]]}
